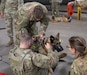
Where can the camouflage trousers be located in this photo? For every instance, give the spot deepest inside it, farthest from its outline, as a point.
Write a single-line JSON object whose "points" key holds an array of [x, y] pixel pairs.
{"points": [[55, 9], [10, 23]]}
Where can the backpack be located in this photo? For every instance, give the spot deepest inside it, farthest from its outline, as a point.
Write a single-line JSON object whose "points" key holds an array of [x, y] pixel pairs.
{"points": [[16, 63]]}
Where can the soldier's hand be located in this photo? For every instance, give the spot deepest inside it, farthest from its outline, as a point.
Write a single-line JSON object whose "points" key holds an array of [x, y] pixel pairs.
{"points": [[41, 36], [48, 46]]}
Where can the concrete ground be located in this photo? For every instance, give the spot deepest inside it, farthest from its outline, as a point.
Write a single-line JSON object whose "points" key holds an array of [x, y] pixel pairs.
{"points": [[66, 30]]}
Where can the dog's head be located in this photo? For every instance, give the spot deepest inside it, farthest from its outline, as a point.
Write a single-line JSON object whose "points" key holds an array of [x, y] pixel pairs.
{"points": [[54, 41]]}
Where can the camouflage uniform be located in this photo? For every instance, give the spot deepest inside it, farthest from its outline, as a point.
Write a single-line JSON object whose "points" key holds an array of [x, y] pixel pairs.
{"points": [[79, 66], [26, 22], [82, 3], [55, 7], [9, 9], [2, 6], [26, 62]]}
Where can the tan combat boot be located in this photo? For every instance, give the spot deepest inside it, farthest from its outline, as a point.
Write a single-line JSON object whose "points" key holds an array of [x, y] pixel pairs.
{"points": [[10, 42]]}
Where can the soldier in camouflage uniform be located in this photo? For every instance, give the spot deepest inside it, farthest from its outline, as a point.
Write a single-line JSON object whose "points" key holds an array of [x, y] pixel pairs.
{"points": [[29, 14], [55, 7], [82, 3], [77, 46], [24, 61], [9, 10], [2, 8]]}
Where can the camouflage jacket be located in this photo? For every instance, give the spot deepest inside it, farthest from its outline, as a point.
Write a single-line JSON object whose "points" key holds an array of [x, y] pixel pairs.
{"points": [[59, 1], [10, 5], [26, 62], [79, 66], [26, 18], [82, 3]]}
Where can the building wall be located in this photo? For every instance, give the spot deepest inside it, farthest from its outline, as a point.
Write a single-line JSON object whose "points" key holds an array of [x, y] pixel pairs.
{"points": [[47, 2]]}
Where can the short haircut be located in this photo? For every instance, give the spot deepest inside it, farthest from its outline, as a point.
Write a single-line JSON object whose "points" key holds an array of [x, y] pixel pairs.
{"points": [[38, 12], [25, 37]]}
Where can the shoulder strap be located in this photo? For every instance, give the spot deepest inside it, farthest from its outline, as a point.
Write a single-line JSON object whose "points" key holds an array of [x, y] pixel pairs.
{"points": [[29, 52]]}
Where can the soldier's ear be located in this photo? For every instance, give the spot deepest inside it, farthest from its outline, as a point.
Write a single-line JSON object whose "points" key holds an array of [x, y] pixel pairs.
{"points": [[29, 43]]}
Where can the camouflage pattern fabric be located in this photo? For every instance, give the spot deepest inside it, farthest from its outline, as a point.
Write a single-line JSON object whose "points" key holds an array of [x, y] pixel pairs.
{"points": [[59, 1], [27, 24], [79, 66], [2, 6], [9, 9], [55, 7], [26, 62], [82, 3]]}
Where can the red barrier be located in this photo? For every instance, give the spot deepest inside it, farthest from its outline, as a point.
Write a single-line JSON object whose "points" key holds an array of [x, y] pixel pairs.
{"points": [[3, 74]]}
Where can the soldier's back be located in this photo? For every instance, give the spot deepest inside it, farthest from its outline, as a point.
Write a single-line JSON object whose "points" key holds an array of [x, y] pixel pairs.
{"points": [[29, 6], [21, 63]]}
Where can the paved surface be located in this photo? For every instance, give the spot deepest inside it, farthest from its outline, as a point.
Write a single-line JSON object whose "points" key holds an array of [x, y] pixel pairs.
{"points": [[66, 30]]}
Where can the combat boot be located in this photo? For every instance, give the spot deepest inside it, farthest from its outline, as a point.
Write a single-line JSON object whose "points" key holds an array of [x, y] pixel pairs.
{"points": [[69, 19], [10, 42]]}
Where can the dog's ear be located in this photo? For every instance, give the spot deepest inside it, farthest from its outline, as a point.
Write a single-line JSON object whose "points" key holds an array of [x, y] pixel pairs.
{"points": [[58, 35], [46, 40], [52, 38]]}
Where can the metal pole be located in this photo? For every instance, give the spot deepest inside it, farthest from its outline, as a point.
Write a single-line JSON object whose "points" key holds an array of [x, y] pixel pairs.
{"points": [[79, 13]]}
